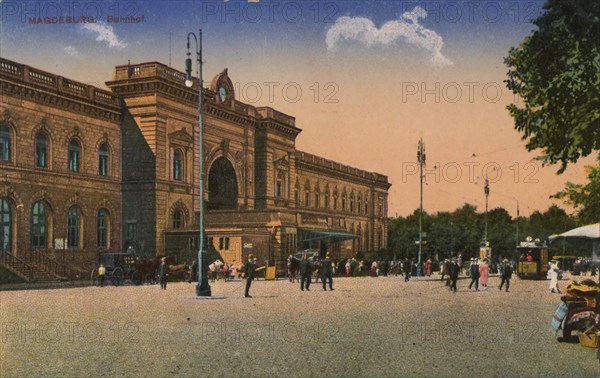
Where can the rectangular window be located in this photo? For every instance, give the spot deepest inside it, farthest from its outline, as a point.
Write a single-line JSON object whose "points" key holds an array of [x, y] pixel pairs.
{"points": [[131, 231], [278, 189], [223, 243], [41, 155], [4, 147], [102, 165]]}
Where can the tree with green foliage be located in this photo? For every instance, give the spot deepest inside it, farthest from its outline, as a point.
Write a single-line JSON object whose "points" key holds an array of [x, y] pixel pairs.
{"points": [[584, 198], [556, 74]]}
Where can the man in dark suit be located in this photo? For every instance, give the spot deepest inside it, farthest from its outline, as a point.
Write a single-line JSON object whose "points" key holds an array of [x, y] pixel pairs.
{"points": [[453, 270], [163, 272], [326, 271], [506, 274], [406, 267], [305, 273], [249, 269], [474, 271]]}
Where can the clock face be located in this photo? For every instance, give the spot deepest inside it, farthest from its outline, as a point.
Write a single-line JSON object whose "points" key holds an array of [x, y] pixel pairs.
{"points": [[223, 94]]}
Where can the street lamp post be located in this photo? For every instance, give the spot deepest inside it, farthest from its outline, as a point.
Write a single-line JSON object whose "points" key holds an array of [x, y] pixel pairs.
{"points": [[202, 287], [486, 190], [421, 159]]}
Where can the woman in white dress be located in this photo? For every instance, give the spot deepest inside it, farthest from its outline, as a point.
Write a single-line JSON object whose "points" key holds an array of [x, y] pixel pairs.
{"points": [[553, 273]]}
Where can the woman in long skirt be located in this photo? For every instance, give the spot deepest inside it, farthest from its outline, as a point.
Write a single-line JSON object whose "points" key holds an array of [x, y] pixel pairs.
{"points": [[483, 273]]}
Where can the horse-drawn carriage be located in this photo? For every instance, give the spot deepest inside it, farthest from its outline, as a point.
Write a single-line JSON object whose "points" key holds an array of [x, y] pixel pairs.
{"points": [[122, 267]]}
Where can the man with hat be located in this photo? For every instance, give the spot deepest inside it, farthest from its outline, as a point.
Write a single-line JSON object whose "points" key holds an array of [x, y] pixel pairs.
{"points": [[474, 270], [163, 272], [506, 274], [248, 272], [326, 271], [305, 269], [453, 270]]}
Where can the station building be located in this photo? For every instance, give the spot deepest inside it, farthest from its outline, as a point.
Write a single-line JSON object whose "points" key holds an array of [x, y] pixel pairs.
{"points": [[85, 170]]}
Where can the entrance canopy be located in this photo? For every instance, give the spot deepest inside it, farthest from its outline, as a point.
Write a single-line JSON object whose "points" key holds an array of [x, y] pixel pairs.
{"points": [[318, 235]]}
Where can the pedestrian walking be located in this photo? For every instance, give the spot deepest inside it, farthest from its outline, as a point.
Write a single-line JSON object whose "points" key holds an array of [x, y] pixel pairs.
{"points": [[407, 268], [101, 274], [474, 271], [506, 272], [248, 273], [483, 273], [553, 273], [163, 272], [453, 270], [327, 271], [428, 267], [305, 273]]}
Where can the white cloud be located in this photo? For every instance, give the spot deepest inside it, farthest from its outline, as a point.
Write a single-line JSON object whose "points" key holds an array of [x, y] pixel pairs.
{"points": [[70, 50], [105, 33], [363, 30]]}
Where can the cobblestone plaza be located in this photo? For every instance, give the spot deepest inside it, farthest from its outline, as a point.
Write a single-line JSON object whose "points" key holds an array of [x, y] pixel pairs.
{"points": [[365, 327]]}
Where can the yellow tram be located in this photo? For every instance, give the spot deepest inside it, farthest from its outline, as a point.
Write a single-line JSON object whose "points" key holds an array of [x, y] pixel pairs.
{"points": [[533, 259]]}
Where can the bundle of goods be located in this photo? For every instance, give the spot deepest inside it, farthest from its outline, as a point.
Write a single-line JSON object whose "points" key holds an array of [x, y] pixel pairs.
{"points": [[579, 311]]}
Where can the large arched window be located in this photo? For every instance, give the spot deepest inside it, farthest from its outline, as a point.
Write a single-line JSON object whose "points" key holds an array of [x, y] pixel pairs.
{"points": [[74, 155], [177, 165], [103, 160], [73, 221], [102, 227], [177, 219], [41, 150], [4, 143], [5, 226], [39, 226]]}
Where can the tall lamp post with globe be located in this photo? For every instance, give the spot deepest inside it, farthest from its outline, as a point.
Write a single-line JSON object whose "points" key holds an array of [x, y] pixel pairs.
{"points": [[202, 287]]}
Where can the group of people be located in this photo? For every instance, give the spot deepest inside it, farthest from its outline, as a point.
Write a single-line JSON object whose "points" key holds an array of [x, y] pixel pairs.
{"points": [[478, 271], [305, 269]]}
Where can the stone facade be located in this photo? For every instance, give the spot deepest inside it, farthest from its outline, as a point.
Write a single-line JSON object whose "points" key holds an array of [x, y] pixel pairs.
{"points": [[38, 104], [261, 194]]}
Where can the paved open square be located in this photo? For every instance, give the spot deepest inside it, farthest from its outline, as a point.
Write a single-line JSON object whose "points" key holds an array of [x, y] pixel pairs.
{"points": [[365, 327]]}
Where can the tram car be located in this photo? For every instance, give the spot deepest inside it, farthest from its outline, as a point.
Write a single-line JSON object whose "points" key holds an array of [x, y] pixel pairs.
{"points": [[533, 259]]}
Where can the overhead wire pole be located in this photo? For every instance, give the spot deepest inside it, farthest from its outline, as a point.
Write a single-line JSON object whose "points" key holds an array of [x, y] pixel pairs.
{"points": [[421, 159]]}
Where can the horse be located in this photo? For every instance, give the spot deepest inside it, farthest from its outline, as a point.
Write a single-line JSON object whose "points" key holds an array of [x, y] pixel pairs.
{"points": [[292, 265]]}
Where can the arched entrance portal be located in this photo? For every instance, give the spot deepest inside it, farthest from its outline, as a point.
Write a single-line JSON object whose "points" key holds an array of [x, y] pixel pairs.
{"points": [[222, 186]]}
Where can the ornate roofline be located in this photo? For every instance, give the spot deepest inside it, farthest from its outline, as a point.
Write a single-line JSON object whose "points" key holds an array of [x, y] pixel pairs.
{"points": [[53, 90]]}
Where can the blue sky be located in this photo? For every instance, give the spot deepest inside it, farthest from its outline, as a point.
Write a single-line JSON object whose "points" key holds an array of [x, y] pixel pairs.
{"points": [[363, 54]]}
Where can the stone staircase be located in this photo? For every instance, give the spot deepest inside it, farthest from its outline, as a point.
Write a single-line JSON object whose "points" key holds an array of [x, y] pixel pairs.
{"points": [[28, 270]]}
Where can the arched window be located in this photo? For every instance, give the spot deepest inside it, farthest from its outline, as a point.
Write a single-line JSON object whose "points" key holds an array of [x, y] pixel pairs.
{"points": [[103, 160], [73, 220], [351, 203], [5, 226], [41, 151], [74, 155], [177, 219], [177, 165], [102, 228], [39, 226], [343, 202], [4, 143], [327, 199]]}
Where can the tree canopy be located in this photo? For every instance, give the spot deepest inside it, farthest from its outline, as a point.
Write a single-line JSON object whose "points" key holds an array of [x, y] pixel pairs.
{"points": [[555, 73]]}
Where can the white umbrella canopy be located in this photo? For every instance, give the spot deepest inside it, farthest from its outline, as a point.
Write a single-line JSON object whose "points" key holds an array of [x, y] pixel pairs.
{"points": [[591, 231]]}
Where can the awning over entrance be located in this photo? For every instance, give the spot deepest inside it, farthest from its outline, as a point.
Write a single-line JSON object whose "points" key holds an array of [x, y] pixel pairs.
{"points": [[317, 235]]}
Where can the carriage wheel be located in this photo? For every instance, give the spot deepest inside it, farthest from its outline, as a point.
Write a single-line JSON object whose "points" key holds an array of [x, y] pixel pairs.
{"points": [[94, 277], [117, 277]]}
